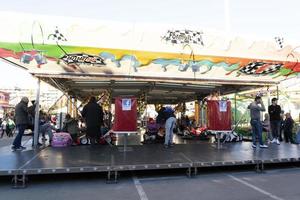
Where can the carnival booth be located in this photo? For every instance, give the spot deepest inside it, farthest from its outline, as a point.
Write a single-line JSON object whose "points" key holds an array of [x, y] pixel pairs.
{"points": [[164, 64], [161, 64]]}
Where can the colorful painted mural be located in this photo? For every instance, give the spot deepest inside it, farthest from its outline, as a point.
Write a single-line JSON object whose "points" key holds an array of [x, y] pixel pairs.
{"points": [[64, 46]]}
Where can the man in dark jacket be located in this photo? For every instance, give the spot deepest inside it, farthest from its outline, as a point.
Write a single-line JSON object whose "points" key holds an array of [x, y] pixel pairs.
{"points": [[93, 116], [21, 116], [275, 120]]}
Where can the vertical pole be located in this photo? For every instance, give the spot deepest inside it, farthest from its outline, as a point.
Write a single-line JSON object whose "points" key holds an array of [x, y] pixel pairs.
{"points": [[75, 108], [235, 110], [125, 142], [60, 113], [37, 113], [69, 106], [277, 91], [197, 114], [202, 113], [269, 96]]}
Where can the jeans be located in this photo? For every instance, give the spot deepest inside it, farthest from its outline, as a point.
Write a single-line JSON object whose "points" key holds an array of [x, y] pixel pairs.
{"points": [[18, 140], [47, 129], [256, 131], [170, 124], [275, 128]]}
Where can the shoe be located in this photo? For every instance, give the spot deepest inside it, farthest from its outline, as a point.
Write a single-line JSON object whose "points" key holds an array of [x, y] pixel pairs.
{"points": [[273, 141], [17, 148], [277, 142], [166, 146], [171, 144], [253, 146], [22, 147], [263, 146]]}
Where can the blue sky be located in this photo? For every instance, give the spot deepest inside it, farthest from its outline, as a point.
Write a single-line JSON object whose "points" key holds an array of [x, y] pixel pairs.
{"points": [[261, 18]]}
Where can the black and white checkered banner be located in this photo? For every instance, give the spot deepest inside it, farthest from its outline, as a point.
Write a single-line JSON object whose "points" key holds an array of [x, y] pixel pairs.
{"points": [[81, 58], [184, 37], [260, 68], [57, 36], [279, 41]]}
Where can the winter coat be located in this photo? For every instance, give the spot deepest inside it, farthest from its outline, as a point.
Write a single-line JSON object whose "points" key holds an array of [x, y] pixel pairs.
{"points": [[71, 126], [92, 114], [21, 113]]}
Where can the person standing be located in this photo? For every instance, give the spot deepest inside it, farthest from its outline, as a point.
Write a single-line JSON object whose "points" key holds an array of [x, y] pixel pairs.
{"points": [[93, 116], [267, 127], [10, 127], [255, 108], [288, 128], [169, 126], [275, 121], [21, 116], [3, 127]]}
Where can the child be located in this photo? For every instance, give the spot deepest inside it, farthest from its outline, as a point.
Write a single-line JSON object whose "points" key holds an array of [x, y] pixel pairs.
{"points": [[266, 127], [71, 126], [288, 127], [152, 130]]}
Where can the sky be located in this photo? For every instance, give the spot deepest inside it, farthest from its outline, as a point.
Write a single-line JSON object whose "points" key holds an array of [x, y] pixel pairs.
{"points": [[263, 19]]}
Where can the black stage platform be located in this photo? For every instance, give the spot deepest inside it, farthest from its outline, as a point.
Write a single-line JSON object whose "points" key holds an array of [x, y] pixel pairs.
{"points": [[84, 159]]}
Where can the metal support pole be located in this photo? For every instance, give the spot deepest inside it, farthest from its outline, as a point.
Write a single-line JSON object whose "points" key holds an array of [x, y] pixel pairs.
{"points": [[235, 111], [125, 142], [202, 113], [269, 96], [218, 140], [198, 116], [37, 115], [277, 91], [75, 108]]}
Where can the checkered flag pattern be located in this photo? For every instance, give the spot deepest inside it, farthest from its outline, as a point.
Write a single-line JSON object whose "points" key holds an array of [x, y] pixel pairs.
{"points": [[184, 37], [57, 36], [272, 68], [80, 58], [260, 68], [251, 68], [279, 41]]}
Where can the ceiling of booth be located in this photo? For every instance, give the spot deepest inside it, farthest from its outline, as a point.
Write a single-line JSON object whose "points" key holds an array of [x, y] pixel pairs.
{"points": [[156, 91]]}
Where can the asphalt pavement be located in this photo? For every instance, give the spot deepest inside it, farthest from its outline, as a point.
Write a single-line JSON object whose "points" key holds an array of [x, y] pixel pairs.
{"points": [[278, 184]]}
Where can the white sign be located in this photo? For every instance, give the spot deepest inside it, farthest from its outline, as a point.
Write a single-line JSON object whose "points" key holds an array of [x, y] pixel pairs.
{"points": [[126, 104], [223, 106]]}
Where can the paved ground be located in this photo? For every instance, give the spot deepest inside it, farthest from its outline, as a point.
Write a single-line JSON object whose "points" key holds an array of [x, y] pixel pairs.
{"points": [[276, 184]]}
